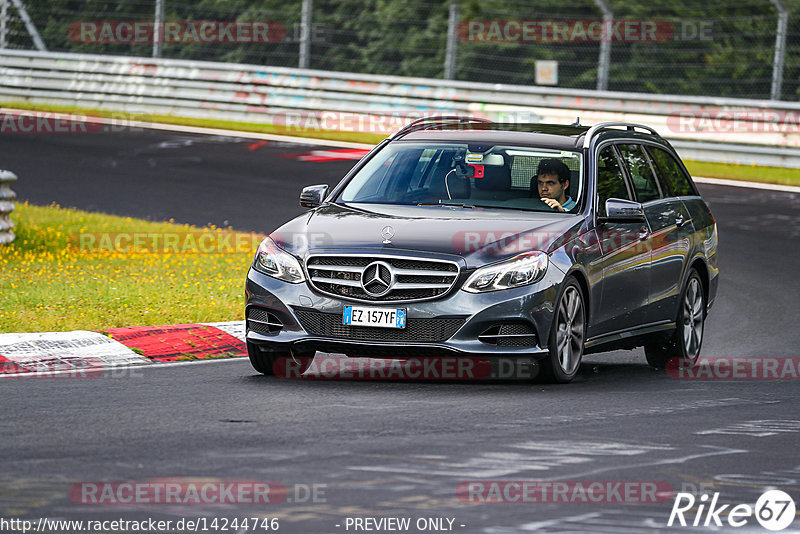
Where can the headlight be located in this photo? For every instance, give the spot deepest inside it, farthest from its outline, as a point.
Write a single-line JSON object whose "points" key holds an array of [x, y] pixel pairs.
{"points": [[274, 262], [518, 271]]}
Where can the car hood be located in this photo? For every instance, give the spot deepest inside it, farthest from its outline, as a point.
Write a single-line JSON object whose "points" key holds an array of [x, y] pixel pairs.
{"points": [[479, 236]]}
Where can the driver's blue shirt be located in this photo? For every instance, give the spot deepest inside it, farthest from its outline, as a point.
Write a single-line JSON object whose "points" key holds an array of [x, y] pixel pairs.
{"points": [[569, 204]]}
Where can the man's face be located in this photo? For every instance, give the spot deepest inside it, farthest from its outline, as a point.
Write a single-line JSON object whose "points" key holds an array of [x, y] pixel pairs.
{"points": [[550, 187]]}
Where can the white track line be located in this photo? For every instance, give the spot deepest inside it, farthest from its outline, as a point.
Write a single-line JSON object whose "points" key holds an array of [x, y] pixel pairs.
{"points": [[115, 369], [191, 129], [249, 135], [752, 185]]}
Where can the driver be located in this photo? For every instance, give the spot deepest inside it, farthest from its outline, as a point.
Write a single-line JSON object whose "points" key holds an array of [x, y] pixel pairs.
{"points": [[552, 178]]}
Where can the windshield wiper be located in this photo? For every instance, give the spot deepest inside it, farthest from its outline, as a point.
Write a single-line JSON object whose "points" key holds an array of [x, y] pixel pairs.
{"points": [[440, 203]]}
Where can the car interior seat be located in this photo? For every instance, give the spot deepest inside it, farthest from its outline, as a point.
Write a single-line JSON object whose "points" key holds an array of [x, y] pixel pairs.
{"points": [[495, 184]]}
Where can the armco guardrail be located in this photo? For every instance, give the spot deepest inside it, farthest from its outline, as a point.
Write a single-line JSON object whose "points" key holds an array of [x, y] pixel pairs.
{"points": [[6, 206], [262, 94]]}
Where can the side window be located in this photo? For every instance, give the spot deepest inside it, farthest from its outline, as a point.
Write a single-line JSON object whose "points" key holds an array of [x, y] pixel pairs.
{"points": [[670, 173], [610, 181], [644, 182]]}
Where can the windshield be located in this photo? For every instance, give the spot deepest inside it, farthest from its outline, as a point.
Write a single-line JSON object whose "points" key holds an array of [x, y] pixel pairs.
{"points": [[472, 175]]}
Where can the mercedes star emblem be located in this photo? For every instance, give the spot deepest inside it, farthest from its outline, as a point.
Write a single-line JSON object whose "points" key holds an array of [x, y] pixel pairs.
{"points": [[377, 278], [387, 233]]}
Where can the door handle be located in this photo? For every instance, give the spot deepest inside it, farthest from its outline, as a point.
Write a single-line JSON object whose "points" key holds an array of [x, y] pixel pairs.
{"points": [[643, 235]]}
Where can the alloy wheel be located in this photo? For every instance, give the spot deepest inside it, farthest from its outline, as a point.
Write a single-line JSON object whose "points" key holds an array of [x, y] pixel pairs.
{"points": [[570, 330], [693, 318]]}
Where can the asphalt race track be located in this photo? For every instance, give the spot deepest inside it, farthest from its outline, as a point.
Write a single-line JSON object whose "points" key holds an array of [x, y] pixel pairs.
{"points": [[387, 449]]}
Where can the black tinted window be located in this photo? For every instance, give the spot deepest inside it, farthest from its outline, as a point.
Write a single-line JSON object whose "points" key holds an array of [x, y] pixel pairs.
{"points": [[644, 182], [670, 173], [610, 181]]}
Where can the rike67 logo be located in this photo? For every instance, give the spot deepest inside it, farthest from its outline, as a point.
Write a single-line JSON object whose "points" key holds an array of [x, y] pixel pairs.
{"points": [[774, 510]]}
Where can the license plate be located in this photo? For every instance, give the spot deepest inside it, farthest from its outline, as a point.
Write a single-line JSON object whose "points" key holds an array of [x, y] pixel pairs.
{"points": [[380, 317]]}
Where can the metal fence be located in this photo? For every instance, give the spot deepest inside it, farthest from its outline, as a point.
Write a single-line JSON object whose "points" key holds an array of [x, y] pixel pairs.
{"points": [[302, 99], [749, 49]]}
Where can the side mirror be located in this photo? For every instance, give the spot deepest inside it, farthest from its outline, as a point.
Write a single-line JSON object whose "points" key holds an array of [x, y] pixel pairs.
{"points": [[313, 195], [619, 210]]}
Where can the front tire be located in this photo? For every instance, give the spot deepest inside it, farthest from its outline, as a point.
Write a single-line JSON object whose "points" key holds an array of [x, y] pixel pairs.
{"points": [[567, 335], [264, 362], [687, 339]]}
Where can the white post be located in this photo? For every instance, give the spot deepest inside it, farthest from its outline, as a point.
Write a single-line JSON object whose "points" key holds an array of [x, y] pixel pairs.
{"points": [[30, 26], [605, 45], [305, 34], [780, 50], [452, 42], [3, 24], [158, 29]]}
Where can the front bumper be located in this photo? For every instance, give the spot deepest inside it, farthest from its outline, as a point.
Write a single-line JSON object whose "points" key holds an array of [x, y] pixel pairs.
{"points": [[457, 319]]}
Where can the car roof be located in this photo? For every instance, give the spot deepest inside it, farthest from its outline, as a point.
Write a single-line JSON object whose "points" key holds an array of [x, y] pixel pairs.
{"points": [[540, 135], [540, 140]]}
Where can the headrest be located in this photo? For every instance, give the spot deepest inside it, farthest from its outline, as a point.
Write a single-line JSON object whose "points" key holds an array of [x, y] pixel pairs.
{"points": [[495, 177]]}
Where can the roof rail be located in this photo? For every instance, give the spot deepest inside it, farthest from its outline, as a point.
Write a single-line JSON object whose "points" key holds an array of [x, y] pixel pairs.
{"points": [[630, 126], [426, 122]]}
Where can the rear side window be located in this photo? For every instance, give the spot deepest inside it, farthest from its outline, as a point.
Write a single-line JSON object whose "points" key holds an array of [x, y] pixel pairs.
{"points": [[610, 181], [671, 173], [644, 181]]}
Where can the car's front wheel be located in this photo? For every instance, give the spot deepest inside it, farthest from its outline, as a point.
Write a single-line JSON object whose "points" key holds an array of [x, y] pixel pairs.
{"points": [[264, 362], [687, 339], [567, 335]]}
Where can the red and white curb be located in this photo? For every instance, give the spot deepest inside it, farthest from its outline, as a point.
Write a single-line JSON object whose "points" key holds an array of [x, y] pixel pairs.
{"points": [[50, 353], [342, 154]]}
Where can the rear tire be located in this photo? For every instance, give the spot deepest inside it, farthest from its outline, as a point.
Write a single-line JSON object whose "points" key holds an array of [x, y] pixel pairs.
{"points": [[687, 339], [567, 335]]}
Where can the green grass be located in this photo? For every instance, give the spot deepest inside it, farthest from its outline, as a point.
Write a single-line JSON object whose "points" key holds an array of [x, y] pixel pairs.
{"points": [[53, 281], [750, 173]]}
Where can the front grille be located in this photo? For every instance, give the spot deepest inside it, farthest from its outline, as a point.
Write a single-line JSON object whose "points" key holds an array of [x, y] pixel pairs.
{"points": [[261, 321], [510, 335], [417, 330], [516, 329], [414, 278]]}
